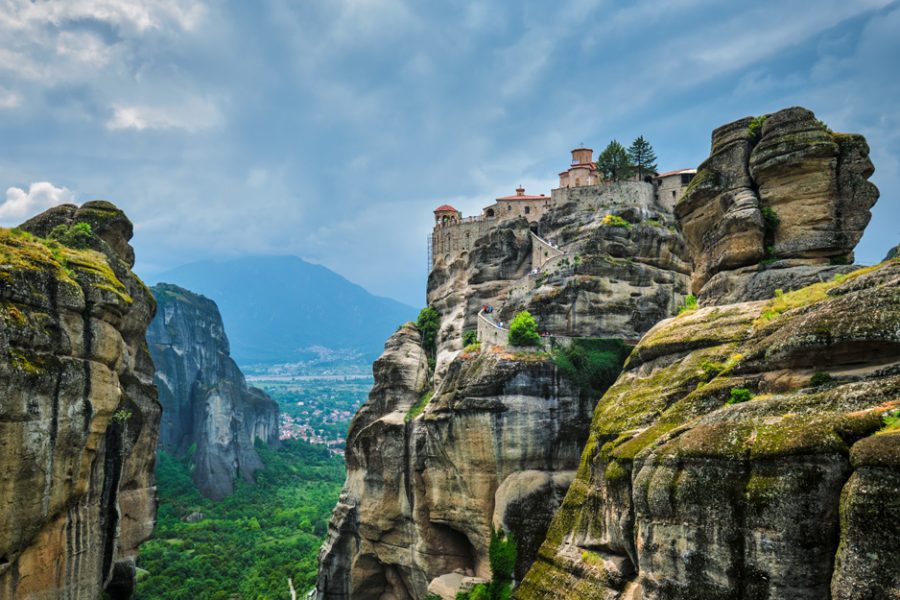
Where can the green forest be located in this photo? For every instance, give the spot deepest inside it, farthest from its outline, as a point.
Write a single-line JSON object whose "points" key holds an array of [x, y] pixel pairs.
{"points": [[245, 546]]}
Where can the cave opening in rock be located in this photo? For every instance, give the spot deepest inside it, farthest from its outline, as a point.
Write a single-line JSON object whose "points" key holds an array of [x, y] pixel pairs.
{"points": [[454, 548]]}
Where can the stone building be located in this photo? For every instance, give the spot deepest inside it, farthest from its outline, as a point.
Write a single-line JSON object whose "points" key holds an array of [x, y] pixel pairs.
{"points": [[670, 186], [519, 205], [582, 172]]}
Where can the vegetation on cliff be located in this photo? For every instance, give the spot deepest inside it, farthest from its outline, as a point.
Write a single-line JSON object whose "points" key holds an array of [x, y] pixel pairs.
{"points": [[523, 330], [591, 363]]}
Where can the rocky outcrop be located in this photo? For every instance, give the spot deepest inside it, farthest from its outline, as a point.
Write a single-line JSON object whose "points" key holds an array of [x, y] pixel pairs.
{"points": [[208, 410], [79, 416], [496, 446], [781, 202], [744, 453], [604, 280]]}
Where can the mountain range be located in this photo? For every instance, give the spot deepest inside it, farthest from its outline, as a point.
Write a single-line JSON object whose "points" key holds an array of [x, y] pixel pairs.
{"points": [[282, 309]]}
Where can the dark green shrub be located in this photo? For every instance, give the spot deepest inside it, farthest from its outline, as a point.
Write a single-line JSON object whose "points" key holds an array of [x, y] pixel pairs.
{"points": [[78, 235], [755, 127], [770, 218], [820, 378], [523, 330], [470, 337], [738, 395]]}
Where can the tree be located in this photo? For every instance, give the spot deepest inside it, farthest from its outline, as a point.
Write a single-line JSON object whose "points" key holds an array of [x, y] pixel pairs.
{"points": [[642, 156], [523, 330], [613, 162], [428, 324]]}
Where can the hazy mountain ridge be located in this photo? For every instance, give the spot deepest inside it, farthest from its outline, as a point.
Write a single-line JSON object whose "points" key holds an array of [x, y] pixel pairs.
{"points": [[282, 309]]}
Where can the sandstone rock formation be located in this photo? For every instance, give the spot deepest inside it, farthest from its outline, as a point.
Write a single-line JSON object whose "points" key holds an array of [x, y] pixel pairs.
{"points": [[608, 281], [498, 442], [78, 411], [497, 446], [207, 406], [780, 203], [682, 494]]}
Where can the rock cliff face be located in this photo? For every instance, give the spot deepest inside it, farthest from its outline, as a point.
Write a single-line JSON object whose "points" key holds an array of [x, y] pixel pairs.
{"points": [[496, 445], [779, 200], [789, 494], [206, 402], [78, 416], [750, 448]]}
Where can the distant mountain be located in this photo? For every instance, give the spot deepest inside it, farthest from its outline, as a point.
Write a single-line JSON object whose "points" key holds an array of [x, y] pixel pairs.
{"points": [[282, 309]]}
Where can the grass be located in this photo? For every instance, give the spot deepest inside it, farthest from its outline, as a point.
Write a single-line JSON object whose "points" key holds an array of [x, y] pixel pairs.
{"points": [[891, 422], [473, 348], [416, 409], [689, 304]]}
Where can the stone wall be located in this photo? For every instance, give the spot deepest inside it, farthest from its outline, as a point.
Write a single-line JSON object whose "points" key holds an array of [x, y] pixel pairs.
{"points": [[452, 241], [607, 196], [542, 252], [490, 334]]}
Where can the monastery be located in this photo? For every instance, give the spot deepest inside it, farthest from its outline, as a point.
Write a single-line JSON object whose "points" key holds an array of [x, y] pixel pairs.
{"points": [[454, 235]]}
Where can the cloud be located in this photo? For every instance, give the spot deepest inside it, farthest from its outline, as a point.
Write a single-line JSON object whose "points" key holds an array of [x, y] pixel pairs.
{"points": [[21, 205], [136, 16], [331, 128], [9, 99], [193, 115]]}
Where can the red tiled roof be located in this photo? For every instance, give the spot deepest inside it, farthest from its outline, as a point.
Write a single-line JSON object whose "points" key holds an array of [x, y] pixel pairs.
{"points": [[445, 208], [678, 172]]}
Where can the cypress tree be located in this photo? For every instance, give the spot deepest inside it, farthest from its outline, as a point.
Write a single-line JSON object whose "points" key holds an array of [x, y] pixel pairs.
{"points": [[642, 156]]}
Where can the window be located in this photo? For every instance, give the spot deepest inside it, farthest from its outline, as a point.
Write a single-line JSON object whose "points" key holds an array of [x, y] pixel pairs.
{"points": [[509, 207], [527, 209], [686, 178], [673, 193]]}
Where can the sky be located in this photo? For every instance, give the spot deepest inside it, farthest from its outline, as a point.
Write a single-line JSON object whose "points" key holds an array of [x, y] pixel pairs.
{"points": [[330, 129]]}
